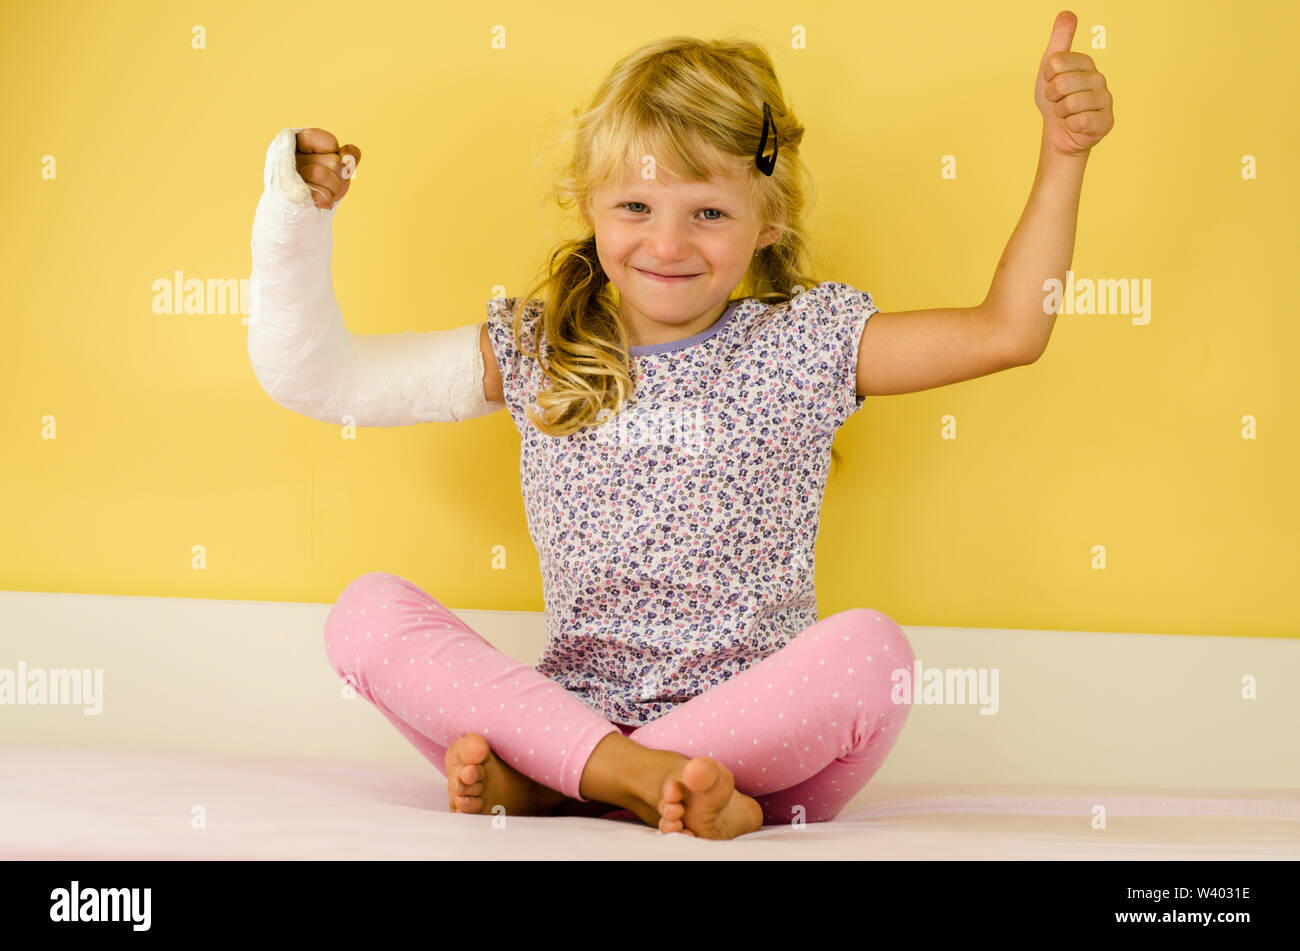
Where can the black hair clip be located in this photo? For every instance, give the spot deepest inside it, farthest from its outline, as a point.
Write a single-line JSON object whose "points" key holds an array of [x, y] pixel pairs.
{"points": [[766, 166]]}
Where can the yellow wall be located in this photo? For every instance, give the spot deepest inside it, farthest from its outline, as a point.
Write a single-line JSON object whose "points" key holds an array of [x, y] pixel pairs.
{"points": [[1125, 435]]}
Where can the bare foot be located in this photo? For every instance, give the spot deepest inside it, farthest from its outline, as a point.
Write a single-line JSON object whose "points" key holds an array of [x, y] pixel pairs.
{"points": [[700, 799], [478, 780]]}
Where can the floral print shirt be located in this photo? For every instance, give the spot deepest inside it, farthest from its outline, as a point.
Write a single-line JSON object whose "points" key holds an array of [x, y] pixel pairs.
{"points": [[676, 540]]}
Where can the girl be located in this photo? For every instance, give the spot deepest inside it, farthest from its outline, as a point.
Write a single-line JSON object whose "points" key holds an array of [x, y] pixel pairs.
{"points": [[675, 448]]}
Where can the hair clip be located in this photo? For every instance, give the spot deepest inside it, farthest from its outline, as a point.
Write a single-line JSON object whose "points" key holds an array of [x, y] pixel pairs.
{"points": [[766, 166]]}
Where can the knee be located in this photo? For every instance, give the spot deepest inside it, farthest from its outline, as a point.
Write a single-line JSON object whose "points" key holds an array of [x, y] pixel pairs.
{"points": [[872, 636], [872, 646], [362, 601]]}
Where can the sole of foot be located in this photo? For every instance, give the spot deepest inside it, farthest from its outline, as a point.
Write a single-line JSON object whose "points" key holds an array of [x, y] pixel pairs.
{"points": [[478, 781], [699, 798]]}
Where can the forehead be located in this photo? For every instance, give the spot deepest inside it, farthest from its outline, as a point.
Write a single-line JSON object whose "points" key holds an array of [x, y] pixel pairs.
{"points": [[720, 181]]}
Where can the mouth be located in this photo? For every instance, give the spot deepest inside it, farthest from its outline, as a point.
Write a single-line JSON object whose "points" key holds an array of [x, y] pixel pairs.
{"points": [[665, 278]]}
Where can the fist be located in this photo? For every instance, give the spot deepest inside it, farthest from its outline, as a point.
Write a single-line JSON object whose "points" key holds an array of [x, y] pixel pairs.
{"points": [[1077, 107], [324, 166]]}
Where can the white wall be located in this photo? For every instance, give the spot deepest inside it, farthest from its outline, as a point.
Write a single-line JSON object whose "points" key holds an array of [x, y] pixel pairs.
{"points": [[1074, 708]]}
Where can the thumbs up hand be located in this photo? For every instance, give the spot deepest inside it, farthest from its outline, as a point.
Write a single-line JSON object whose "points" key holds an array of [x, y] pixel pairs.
{"points": [[1071, 94]]}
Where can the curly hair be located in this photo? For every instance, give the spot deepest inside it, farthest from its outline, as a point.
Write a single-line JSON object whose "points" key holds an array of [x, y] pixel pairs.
{"points": [[696, 106]]}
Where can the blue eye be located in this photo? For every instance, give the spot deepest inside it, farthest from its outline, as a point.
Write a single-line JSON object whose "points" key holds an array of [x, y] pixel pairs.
{"points": [[722, 214]]}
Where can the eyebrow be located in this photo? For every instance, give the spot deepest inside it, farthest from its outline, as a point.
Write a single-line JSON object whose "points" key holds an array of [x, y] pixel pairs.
{"points": [[720, 197]]}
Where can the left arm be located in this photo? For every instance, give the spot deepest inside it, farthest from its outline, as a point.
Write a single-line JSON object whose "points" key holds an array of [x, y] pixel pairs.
{"points": [[1077, 114], [921, 349], [1040, 249]]}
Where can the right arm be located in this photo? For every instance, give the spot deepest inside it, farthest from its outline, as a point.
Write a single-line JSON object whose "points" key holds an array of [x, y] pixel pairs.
{"points": [[492, 387], [301, 351]]}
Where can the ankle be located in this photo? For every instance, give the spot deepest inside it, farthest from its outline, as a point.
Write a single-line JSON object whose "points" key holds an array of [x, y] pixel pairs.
{"points": [[655, 767], [626, 773]]}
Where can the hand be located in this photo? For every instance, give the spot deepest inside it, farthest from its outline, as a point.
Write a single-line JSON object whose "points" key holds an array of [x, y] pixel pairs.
{"points": [[326, 168], [1071, 94]]}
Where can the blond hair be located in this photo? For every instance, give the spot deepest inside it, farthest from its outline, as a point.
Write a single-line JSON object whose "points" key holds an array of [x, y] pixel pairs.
{"points": [[696, 106]]}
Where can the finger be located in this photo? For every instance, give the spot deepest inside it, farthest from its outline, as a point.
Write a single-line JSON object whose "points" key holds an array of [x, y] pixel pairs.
{"points": [[329, 160], [320, 197], [1063, 84], [1097, 122], [1090, 101], [1059, 63], [317, 140], [315, 173], [1062, 36]]}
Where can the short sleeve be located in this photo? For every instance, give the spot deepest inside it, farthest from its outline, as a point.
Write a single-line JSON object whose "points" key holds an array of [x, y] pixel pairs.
{"points": [[521, 375], [828, 323]]}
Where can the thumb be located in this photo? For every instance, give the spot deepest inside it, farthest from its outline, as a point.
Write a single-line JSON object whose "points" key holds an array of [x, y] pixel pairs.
{"points": [[1062, 33], [356, 158]]}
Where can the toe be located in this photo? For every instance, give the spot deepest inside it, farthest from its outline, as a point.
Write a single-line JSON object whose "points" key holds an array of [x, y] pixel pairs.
{"points": [[701, 774]]}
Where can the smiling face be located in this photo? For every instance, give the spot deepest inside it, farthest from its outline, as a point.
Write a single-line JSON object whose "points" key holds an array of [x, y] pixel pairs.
{"points": [[675, 250]]}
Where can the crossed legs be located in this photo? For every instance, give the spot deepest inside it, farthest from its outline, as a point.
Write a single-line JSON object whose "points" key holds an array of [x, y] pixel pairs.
{"points": [[802, 731]]}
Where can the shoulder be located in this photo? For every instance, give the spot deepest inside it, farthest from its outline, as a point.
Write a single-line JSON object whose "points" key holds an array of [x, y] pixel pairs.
{"points": [[829, 305], [501, 313], [833, 298], [502, 310]]}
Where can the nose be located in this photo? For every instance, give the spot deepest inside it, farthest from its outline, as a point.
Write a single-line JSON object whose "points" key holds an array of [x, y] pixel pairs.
{"points": [[667, 246]]}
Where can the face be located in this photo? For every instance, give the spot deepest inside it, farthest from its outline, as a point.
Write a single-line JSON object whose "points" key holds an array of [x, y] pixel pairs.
{"points": [[675, 250]]}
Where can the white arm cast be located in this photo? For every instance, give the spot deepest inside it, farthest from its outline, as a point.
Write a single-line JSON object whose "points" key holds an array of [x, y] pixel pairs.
{"points": [[302, 353]]}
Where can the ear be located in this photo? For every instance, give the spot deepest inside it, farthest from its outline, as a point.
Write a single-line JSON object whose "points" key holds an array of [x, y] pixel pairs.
{"points": [[770, 235]]}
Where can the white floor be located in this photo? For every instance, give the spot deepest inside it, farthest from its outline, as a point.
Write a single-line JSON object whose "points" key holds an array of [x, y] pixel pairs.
{"points": [[97, 804], [229, 709]]}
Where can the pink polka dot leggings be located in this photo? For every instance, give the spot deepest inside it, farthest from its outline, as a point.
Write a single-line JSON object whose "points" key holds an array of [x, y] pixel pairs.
{"points": [[802, 730]]}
